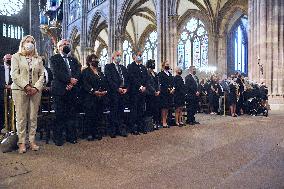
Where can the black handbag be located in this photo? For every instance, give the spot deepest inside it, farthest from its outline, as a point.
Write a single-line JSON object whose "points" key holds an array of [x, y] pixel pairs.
{"points": [[9, 142]]}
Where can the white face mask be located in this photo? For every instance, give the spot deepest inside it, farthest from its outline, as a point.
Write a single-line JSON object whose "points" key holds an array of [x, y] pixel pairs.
{"points": [[29, 47]]}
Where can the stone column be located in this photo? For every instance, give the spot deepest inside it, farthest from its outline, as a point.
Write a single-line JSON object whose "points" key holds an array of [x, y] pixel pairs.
{"points": [[162, 15], [112, 20], [171, 45], [266, 22], [65, 19], [222, 54], [83, 33]]}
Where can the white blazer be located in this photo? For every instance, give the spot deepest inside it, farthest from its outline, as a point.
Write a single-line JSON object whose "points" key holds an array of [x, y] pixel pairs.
{"points": [[20, 72]]}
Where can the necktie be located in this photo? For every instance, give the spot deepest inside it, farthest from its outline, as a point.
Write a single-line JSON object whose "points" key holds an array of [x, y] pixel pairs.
{"points": [[67, 64], [120, 74], [10, 79]]}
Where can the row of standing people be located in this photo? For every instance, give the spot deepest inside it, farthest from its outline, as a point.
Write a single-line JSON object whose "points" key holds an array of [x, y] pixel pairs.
{"points": [[136, 88], [232, 88], [134, 85]]}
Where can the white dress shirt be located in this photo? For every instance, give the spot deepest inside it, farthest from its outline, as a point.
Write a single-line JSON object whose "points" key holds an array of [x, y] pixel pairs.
{"points": [[7, 73], [46, 76]]}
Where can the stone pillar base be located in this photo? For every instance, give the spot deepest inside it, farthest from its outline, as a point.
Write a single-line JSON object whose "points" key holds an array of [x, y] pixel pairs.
{"points": [[276, 102]]}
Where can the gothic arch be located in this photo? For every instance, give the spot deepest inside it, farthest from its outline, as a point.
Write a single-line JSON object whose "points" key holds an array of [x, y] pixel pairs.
{"points": [[149, 29], [227, 13], [194, 14], [127, 12], [73, 34], [98, 23]]}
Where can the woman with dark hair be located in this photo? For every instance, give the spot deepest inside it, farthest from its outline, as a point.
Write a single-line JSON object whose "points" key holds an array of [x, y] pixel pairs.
{"points": [[213, 95], [179, 96], [95, 91], [233, 96], [167, 91]]}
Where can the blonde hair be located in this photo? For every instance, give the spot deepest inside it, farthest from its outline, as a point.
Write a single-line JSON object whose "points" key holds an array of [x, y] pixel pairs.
{"points": [[22, 50]]}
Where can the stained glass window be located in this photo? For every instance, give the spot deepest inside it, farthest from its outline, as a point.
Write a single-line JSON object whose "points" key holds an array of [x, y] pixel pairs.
{"points": [[127, 53], [74, 10], [103, 58], [10, 7], [238, 47], [150, 49], [193, 45], [11, 31]]}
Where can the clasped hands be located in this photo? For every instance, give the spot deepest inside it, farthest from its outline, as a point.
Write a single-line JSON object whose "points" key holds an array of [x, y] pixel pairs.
{"points": [[73, 82], [142, 89], [172, 90], [122, 91], [100, 93], [30, 91]]}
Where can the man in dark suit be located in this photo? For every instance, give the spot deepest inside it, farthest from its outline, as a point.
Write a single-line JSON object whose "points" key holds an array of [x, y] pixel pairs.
{"points": [[5, 83], [64, 88], [138, 81], [192, 94], [117, 78]]}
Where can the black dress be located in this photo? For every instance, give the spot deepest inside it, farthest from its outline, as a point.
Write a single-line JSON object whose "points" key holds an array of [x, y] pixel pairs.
{"points": [[94, 105], [214, 96], [166, 83], [232, 94], [179, 95], [152, 101]]}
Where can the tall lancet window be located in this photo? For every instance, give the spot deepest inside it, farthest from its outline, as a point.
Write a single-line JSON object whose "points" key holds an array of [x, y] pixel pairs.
{"points": [[150, 49], [193, 45], [238, 47], [127, 53]]}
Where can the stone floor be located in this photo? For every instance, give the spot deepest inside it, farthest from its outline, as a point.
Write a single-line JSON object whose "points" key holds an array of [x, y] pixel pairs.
{"points": [[223, 152]]}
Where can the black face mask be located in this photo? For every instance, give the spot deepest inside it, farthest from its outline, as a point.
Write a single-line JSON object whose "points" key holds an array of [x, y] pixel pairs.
{"points": [[193, 72], [66, 49], [180, 72], [167, 67], [153, 66], [95, 64], [8, 62], [99, 69]]}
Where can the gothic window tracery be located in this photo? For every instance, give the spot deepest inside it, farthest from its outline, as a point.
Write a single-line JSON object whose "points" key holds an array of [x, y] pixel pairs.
{"points": [[74, 10], [238, 47], [193, 45], [150, 48], [103, 57], [127, 53], [11, 31], [10, 7]]}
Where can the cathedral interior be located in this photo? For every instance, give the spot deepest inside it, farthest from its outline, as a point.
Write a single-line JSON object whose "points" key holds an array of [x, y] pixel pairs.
{"points": [[216, 36], [219, 37]]}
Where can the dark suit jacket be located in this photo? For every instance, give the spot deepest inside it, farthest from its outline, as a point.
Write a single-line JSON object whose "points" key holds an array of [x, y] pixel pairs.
{"points": [[191, 87], [153, 83], [2, 82], [61, 76], [179, 87], [167, 82], [90, 84], [50, 77], [138, 77], [113, 79]]}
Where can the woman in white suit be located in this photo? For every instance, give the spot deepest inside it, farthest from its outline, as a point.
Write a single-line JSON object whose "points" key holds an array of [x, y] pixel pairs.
{"points": [[27, 73]]}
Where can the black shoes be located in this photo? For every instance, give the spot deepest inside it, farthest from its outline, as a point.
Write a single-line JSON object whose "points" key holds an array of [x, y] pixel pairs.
{"points": [[112, 136], [135, 133], [72, 141], [196, 123]]}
